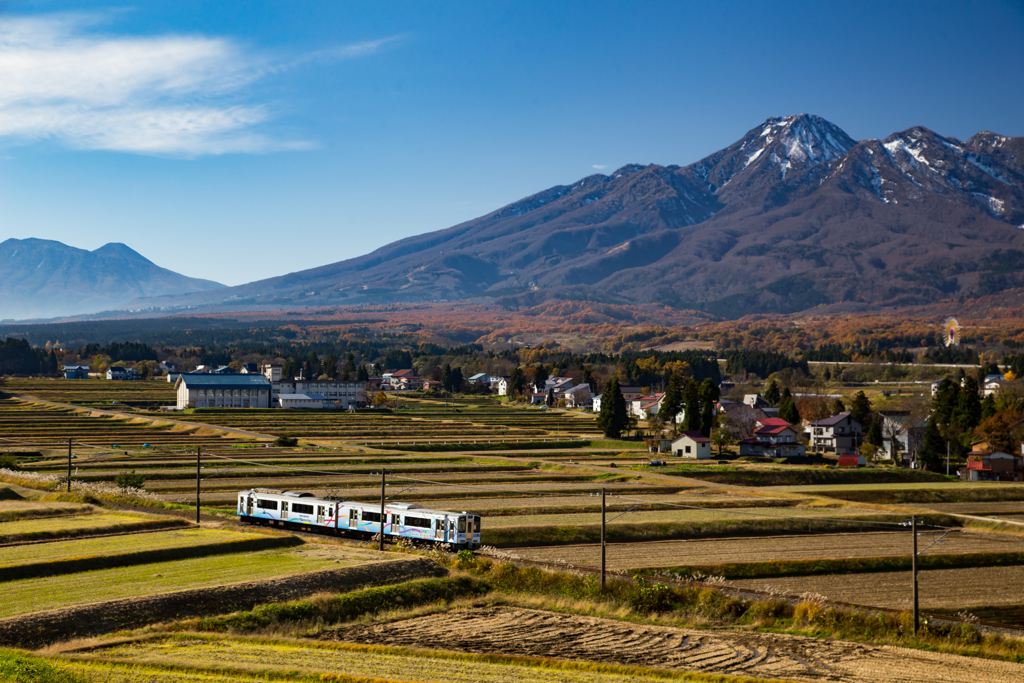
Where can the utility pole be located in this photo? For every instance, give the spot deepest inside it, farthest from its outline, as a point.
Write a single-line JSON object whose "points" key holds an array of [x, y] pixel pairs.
{"points": [[913, 568], [383, 476], [947, 458], [199, 456], [603, 555], [69, 465]]}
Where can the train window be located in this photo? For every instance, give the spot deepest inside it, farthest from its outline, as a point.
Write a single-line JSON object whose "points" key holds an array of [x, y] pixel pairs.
{"points": [[266, 504], [371, 516], [462, 525], [302, 509], [420, 522], [476, 526]]}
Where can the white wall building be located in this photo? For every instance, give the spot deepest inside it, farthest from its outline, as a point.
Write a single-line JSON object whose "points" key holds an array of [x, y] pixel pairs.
{"points": [[308, 401], [348, 393], [223, 391]]}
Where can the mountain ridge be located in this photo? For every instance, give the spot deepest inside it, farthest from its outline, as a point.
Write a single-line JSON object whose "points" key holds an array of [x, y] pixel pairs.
{"points": [[793, 215], [45, 278]]}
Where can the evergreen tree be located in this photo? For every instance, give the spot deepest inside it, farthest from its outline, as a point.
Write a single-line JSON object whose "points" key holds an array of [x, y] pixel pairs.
{"points": [[446, 376], [672, 403], [452, 378], [788, 411], [314, 365], [988, 407], [946, 398], [550, 400], [540, 376], [361, 374], [516, 382], [377, 370], [691, 398], [874, 434], [967, 414], [932, 451], [613, 417], [331, 366], [827, 375], [838, 406], [786, 395], [350, 367], [771, 392], [707, 418], [860, 409], [709, 391]]}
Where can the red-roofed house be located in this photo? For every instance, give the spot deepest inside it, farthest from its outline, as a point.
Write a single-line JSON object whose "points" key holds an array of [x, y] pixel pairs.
{"points": [[995, 466], [773, 438], [692, 445]]}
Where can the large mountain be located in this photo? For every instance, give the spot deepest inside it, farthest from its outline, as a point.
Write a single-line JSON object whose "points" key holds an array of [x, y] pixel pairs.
{"points": [[43, 278], [794, 214]]}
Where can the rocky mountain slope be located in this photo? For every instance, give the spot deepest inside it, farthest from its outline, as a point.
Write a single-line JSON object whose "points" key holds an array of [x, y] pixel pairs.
{"points": [[794, 214], [43, 278]]}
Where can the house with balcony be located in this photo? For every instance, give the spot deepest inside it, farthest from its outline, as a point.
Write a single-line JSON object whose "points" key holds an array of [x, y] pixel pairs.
{"points": [[839, 434], [773, 438]]}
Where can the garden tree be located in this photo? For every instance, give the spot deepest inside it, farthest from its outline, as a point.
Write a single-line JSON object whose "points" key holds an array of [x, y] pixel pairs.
{"points": [[945, 400], [380, 399], [361, 374], [550, 400], [656, 425], [516, 382], [720, 438], [707, 418], [331, 366], [672, 402], [691, 399], [932, 451], [709, 391], [860, 409], [613, 418], [540, 375], [771, 392], [788, 411], [1002, 431], [874, 434], [967, 414], [988, 407], [837, 406]]}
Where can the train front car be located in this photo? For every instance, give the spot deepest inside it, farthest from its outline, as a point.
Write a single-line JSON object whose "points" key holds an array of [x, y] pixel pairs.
{"points": [[468, 532]]}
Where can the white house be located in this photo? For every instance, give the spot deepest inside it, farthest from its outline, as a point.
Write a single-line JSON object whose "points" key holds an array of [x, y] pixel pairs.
{"points": [[76, 371], [773, 438], [308, 401], [839, 434], [123, 374], [578, 396], [222, 391], [692, 445], [595, 403]]}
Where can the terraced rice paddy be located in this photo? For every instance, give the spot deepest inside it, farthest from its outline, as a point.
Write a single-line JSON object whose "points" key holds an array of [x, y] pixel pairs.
{"points": [[96, 392], [708, 515], [25, 425], [54, 592], [951, 589], [67, 526], [733, 550]]}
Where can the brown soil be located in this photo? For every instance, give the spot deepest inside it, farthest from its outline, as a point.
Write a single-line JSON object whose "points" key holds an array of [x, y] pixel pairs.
{"points": [[516, 631]]}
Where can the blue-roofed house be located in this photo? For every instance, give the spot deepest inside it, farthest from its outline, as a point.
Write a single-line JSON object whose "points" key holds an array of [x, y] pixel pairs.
{"points": [[76, 372], [223, 391]]}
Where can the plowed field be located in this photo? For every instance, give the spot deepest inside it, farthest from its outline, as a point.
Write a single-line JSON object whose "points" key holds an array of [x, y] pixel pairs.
{"points": [[507, 630], [728, 550]]}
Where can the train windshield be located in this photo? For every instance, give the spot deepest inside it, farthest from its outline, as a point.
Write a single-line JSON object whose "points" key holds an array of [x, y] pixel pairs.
{"points": [[476, 526], [462, 525]]}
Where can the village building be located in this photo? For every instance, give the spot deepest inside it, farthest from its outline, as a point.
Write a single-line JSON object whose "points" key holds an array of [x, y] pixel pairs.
{"points": [[307, 401], [692, 445], [839, 434], [343, 394], [773, 438], [993, 466], [123, 374], [578, 397], [222, 391], [76, 371]]}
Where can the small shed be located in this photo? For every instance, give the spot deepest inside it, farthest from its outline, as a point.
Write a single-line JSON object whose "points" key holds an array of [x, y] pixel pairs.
{"points": [[314, 401], [852, 461], [692, 445]]}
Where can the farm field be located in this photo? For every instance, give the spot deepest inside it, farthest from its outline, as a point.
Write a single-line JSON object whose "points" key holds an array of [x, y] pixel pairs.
{"points": [[707, 515], [730, 550], [290, 659], [91, 523], [53, 592], [96, 392], [11, 510], [512, 630], [141, 542], [950, 589], [1002, 508]]}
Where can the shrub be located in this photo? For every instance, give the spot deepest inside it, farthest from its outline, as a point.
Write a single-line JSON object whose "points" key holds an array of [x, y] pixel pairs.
{"points": [[650, 597], [9, 462], [285, 441], [717, 605], [128, 479]]}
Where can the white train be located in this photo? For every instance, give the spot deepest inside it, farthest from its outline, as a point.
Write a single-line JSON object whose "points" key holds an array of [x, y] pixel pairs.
{"points": [[402, 520]]}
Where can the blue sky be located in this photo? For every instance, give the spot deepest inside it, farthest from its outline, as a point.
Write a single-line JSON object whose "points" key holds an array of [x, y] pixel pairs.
{"points": [[242, 140]]}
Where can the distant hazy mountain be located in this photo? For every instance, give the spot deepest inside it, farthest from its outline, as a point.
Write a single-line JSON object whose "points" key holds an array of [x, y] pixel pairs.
{"points": [[43, 278], [794, 214]]}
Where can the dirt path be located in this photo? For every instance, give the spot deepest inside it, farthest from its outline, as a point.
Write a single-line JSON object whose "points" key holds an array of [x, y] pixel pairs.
{"points": [[510, 630]]}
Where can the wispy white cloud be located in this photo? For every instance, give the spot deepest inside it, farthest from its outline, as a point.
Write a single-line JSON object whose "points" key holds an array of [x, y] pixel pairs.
{"points": [[173, 95], [600, 166]]}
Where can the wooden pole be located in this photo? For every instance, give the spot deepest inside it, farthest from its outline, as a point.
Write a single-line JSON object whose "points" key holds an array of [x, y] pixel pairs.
{"points": [[383, 477], [69, 465], [199, 456], [913, 567], [603, 555]]}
